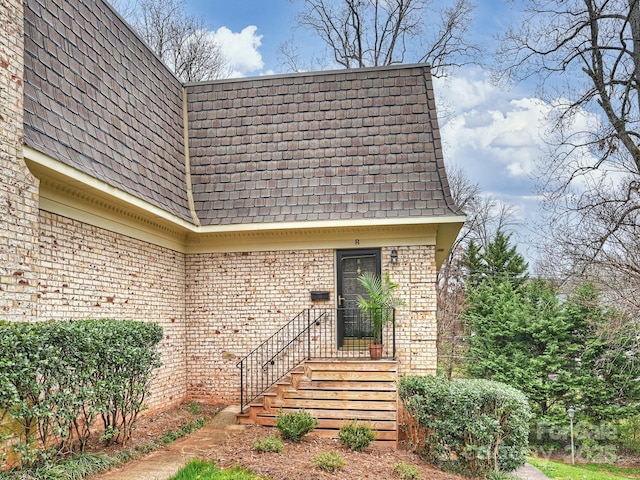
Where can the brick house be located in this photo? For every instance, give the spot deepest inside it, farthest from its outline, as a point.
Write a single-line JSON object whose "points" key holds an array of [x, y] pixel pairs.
{"points": [[214, 208]]}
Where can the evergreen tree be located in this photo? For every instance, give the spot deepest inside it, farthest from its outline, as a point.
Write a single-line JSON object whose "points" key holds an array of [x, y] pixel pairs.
{"points": [[503, 260], [608, 365], [560, 354], [499, 260], [472, 262], [520, 336]]}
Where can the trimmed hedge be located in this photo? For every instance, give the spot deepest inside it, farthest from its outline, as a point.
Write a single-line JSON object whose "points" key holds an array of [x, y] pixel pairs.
{"points": [[58, 378], [471, 427]]}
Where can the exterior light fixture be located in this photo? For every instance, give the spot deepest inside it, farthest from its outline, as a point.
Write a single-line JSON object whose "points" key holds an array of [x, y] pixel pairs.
{"points": [[571, 412], [394, 256]]}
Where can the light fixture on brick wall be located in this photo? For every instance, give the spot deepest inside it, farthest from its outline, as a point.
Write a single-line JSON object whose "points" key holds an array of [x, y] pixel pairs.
{"points": [[394, 256]]}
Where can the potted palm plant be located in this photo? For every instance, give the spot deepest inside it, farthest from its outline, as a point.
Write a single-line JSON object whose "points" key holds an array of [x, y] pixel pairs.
{"points": [[378, 306]]}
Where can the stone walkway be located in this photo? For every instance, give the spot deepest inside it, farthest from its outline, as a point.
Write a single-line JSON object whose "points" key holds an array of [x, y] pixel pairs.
{"points": [[163, 464]]}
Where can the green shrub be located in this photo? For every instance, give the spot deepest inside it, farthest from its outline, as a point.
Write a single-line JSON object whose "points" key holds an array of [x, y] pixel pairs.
{"points": [[406, 471], [295, 425], [268, 444], [58, 378], [194, 408], [629, 434], [356, 436], [468, 426], [76, 467], [328, 461]]}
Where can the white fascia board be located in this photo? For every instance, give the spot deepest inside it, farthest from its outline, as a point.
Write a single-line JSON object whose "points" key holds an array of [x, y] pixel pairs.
{"points": [[165, 229]]}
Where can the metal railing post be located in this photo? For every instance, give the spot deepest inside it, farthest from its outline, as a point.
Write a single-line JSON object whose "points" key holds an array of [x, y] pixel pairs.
{"points": [[241, 386], [394, 334], [308, 334]]}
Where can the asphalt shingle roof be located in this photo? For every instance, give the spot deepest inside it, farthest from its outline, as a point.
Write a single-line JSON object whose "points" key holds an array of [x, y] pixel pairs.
{"points": [[98, 100], [342, 145]]}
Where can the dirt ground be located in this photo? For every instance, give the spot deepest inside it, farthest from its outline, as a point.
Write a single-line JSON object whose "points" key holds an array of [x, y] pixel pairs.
{"points": [[294, 463], [152, 426]]}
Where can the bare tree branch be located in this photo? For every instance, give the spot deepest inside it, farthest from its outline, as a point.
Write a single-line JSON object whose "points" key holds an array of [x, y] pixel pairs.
{"points": [[485, 217], [181, 40], [586, 57], [366, 33]]}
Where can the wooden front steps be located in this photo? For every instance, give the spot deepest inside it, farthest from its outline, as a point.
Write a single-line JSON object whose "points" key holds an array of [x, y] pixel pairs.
{"points": [[335, 392]]}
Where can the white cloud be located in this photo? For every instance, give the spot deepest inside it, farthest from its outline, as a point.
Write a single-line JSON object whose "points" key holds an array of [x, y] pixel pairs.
{"points": [[241, 49], [499, 138], [496, 143]]}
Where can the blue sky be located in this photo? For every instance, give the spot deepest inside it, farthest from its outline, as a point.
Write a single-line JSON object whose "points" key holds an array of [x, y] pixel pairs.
{"points": [[493, 134], [275, 20]]}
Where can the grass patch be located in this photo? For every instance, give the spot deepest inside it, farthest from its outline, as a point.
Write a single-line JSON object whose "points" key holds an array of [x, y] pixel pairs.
{"points": [[202, 470], [625, 472], [76, 467], [592, 471]]}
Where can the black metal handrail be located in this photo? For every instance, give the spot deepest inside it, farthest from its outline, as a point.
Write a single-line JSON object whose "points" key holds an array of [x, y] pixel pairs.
{"points": [[313, 333]]}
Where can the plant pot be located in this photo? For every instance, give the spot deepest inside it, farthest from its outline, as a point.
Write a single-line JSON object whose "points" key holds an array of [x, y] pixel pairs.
{"points": [[375, 351]]}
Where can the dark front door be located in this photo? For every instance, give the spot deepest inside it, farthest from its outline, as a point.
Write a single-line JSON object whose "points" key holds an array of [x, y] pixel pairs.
{"points": [[352, 264]]}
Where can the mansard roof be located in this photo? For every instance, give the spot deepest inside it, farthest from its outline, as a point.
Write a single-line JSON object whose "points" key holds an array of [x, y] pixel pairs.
{"points": [[98, 100], [341, 145]]}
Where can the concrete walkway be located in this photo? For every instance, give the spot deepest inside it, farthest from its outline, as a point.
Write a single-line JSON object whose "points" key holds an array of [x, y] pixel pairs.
{"points": [[529, 472], [164, 463]]}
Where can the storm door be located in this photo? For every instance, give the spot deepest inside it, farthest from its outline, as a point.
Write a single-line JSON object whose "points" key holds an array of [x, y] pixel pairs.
{"points": [[352, 328]]}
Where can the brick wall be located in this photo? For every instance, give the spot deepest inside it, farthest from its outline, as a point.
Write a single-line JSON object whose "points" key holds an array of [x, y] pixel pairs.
{"points": [[18, 188], [88, 272], [235, 301], [416, 324]]}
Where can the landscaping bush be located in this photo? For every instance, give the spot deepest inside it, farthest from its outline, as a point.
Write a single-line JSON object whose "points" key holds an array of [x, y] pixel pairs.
{"points": [[57, 378], [269, 444], [328, 461], [472, 427], [406, 471], [356, 436], [295, 425]]}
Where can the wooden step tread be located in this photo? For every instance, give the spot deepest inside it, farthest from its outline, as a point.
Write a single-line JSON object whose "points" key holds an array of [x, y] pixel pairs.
{"points": [[362, 415], [387, 386], [353, 365], [322, 394], [320, 375], [338, 405]]}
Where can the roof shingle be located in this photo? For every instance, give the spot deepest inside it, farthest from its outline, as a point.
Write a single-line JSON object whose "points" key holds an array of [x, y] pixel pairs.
{"points": [[344, 145], [341, 145], [98, 100]]}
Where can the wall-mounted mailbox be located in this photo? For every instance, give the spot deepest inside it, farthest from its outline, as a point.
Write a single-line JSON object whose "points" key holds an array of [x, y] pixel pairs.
{"points": [[319, 295]]}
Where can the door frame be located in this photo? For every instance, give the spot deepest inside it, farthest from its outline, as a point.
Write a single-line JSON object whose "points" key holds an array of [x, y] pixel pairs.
{"points": [[340, 254]]}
